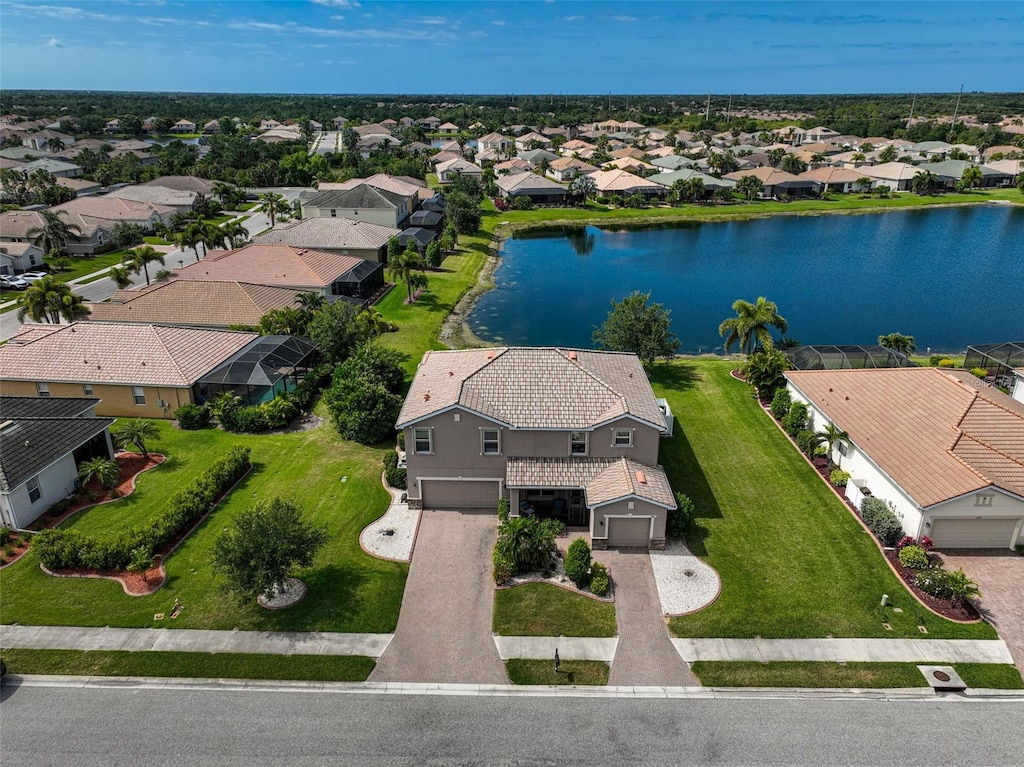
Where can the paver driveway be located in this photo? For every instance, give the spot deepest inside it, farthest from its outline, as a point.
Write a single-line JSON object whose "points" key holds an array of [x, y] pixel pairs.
{"points": [[444, 631], [1000, 576], [645, 655]]}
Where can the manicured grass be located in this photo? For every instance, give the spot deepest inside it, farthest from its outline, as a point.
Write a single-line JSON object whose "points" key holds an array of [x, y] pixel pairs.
{"points": [[540, 609], [816, 674], [328, 668], [580, 672], [793, 560], [80, 266], [348, 590]]}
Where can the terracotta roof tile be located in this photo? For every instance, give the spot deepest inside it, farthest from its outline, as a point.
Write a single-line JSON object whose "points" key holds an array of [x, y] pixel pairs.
{"points": [[280, 265], [603, 479]]}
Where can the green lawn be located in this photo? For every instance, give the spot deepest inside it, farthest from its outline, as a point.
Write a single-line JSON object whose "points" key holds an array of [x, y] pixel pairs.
{"points": [[541, 609], [348, 590], [328, 668], [584, 672], [793, 561], [816, 674]]}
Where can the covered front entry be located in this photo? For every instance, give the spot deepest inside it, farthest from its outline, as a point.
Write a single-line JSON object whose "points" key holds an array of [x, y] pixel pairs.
{"points": [[629, 532], [991, 533], [460, 493]]}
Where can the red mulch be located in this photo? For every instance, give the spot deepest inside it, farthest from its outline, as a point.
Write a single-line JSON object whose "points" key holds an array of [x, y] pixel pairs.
{"points": [[943, 607], [18, 545]]}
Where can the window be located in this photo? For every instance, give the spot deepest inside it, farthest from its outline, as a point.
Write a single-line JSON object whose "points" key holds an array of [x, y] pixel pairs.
{"points": [[34, 493], [843, 447], [622, 437], [983, 500], [491, 441], [87, 390], [334, 213], [577, 443], [43, 390], [421, 441], [139, 395]]}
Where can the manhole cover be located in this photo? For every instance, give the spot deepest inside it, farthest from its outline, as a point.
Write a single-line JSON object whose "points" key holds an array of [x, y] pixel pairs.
{"points": [[689, 573], [387, 532], [942, 676]]}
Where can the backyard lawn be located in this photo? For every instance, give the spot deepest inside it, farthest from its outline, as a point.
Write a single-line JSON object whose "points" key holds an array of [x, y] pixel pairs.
{"points": [[540, 609], [335, 483], [793, 561]]}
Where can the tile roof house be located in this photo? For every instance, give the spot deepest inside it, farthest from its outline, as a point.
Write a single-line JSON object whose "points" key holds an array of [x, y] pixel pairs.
{"points": [[344, 236], [777, 183], [570, 433], [45, 439], [113, 210], [611, 182], [540, 190], [362, 202], [58, 168], [896, 175], [835, 179], [449, 169], [16, 224], [943, 447], [16, 257], [565, 169], [137, 370]]}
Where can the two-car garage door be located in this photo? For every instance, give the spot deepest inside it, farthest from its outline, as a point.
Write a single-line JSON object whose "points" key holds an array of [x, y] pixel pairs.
{"points": [[460, 493], [973, 533]]}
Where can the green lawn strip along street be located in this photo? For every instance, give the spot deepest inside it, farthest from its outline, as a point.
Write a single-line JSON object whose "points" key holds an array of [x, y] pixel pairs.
{"points": [[822, 674], [349, 591], [325, 668], [579, 672], [541, 609], [793, 560]]}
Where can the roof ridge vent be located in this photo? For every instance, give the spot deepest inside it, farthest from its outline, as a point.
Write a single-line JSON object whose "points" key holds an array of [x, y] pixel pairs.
{"points": [[640, 477], [573, 356]]}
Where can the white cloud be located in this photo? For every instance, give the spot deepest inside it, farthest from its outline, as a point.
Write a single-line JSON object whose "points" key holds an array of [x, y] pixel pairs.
{"points": [[434, 20], [55, 43], [498, 23], [573, 18], [336, 17], [338, 3], [624, 19]]}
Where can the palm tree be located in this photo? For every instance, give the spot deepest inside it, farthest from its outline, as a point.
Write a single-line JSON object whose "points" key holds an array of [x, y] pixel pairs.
{"points": [[898, 342], [923, 182], [103, 470], [54, 232], [284, 322], [47, 300], [225, 192], [750, 327], [311, 302], [140, 259], [972, 176], [408, 267], [961, 588], [750, 187], [235, 232], [213, 236], [832, 435], [137, 432], [272, 203], [122, 276], [193, 235], [55, 144], [371, 323]]}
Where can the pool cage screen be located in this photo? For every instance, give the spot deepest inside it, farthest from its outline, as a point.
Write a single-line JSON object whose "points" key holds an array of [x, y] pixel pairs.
{"points": [[997, 360], [846, 358]]}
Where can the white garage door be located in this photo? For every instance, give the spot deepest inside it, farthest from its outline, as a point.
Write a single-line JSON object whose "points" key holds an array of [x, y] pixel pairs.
{"points": [[972, 533], [625, 532], [460, 494]]}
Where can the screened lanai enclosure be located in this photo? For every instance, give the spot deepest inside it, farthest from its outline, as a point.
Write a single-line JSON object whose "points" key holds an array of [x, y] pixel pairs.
{"points": [[997, 360], [851, 357], [269, 366]]}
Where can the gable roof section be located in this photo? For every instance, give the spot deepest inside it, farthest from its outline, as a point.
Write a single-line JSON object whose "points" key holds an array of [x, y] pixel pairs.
{"points": [[117, 353], [44, 407], [323, 232], [938, 435], [280, 265], [32, 444], [605, 480], [527, 183], [360, 196]]}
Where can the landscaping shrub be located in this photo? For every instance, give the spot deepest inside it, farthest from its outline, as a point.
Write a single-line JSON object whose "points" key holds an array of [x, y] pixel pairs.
{"points": [[64, 548], [796, 419], [906, 540], [914, 557], [601, 200], [807, 441], [401, 440], [781, 403], [248, 419], [522, 202], [679, 521], [934, 581], [312, 384], [946, 363], [191, 417], [504, 507], [363, 398], [926, 543], [577, 563], [527, 543], [504, 568], [5, 536], [820, 451], [839, 478], [881, 520], [599, 583], [59, 507], [979, 372], [393, 475]]}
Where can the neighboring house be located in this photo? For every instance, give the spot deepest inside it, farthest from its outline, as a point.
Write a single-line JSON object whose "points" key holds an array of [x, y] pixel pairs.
{"points": [[316, 271], [532, 140], [45, 440], [346, 237], [41, 140], [898, 176], [183, 126], [17, 257], [360, 203], [930, 149], [777, 183], [80, 186], [630, 164], [212, 127], [669, 177], [540, 190], [137, 370], [449, 169], [430, 124], [835, 180], [672, 162], [192, 184], [494, 142], [952, 171], [113, 210], [413, 190], [339, 123], [515, 165], [195, 303], [58, 168], [1003, 365], [112, 126], [943, 448], [612, 182], [570, 433], [178, 201], [448, 129], [15, 226], [535, 156]]}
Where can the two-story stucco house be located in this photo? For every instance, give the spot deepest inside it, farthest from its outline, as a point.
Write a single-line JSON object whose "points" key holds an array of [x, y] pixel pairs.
{"points": [[568, 433]]}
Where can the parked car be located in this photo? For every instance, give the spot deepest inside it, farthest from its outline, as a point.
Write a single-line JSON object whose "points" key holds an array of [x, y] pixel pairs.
{"points": [[33, 276], [11, 282]]}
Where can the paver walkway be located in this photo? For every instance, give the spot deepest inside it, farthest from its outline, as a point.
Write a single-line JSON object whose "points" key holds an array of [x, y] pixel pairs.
{"points": [[1000, 576], [444, 629], [644, 655], [850, 650]]}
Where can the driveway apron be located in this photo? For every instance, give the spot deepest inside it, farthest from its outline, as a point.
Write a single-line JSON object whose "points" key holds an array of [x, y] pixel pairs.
{"points": [[1000, 576], [645, 655], [444, 631]]}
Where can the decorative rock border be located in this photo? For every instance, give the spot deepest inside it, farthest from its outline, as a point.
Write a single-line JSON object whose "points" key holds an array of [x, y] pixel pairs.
{"points": [[294, 592], [686, 583], [403, 524]]}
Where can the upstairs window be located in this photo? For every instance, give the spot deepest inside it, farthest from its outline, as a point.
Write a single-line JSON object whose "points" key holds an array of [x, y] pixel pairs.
{"points": [[577, 443], [43, 390], [34, 493], [622, 437], [491, 441], [422, 442]]}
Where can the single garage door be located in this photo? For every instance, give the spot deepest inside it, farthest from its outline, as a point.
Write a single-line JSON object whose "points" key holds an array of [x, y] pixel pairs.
{"points": [[972, 533], [633, 531], [460, 494]]}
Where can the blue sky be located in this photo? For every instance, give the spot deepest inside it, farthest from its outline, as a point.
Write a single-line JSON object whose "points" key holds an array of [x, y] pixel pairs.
{"points": [[560, 46]]}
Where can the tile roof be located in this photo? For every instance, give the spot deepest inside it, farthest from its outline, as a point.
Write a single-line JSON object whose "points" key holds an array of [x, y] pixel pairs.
{"points": [[359, 196], [32, 444], [890, 171], [622, 181], [382, 181], [112, 208], [831, 175], [280, 265], [325, 232], [159, 195], [533, 388], [17, 223], [527, 183], [117, 353], [604, 480], [939, 435], [194, 302], [182, 183]]}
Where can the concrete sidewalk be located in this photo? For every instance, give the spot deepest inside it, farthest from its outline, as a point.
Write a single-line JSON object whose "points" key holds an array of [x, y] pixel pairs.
{"points": [[569, 648], [852, 650], [191, 640]]}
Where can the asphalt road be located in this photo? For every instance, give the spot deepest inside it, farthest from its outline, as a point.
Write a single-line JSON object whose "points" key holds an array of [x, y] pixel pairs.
{"points": [[132, 726]]}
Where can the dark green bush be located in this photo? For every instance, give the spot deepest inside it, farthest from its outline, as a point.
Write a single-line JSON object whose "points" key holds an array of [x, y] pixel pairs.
{"points": [[934, 581], [914, 557], [401, 440], [393, 475], [247, 419], [577, 563], [881, 520], [312, 384], [679, 521], [504, 568], [5, 536], [599, 583], [191, 417], [795, 420], [504, 506], [781, 403], [807, 440]]}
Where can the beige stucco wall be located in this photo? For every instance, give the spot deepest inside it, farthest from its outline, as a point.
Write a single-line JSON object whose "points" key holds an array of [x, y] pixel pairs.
{"points": [[599, 518], [383, 216], [115, 401]]}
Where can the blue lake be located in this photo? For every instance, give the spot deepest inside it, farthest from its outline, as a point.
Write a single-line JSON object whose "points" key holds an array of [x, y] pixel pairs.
{"points": [[950, 277]]}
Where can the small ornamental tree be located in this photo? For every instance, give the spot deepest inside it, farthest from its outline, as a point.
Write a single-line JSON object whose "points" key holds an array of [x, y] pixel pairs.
{"points": [[636, 325], [103, 470], [136, 432], [269, 540]]}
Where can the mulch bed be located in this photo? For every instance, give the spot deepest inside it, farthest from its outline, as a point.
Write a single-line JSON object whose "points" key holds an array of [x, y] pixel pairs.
{"points": [[17, 544], [944, 607]]}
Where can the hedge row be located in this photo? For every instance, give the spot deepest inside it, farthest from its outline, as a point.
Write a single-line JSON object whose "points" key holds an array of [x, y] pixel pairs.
{"points": [[135, 548]]}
